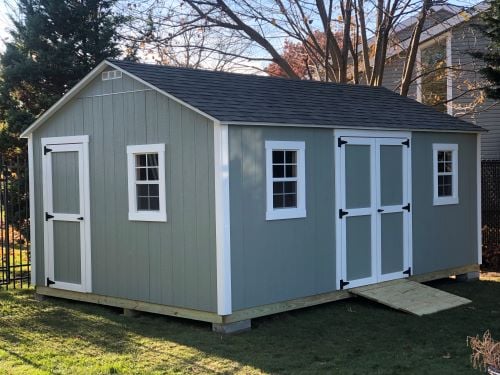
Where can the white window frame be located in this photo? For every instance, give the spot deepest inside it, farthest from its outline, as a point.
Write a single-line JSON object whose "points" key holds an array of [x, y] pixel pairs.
{"points": [[134, 214], [453, 199], [449, 78], [286, 213]]}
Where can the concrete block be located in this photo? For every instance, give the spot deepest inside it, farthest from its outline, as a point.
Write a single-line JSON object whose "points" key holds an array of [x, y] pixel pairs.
{"points": [[469, 276], [236, 327]]}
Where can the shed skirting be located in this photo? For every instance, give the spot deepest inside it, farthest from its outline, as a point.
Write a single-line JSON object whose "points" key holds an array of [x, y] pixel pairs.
{"points": [[239, 315]]}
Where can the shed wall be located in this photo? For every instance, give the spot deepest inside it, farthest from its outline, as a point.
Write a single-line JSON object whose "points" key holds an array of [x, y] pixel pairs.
{"points": [[170, 263], [443, 236], [280, 260]]}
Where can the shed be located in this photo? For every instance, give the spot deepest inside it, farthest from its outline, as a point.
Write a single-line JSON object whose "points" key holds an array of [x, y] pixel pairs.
{"points": [[223, 197]]}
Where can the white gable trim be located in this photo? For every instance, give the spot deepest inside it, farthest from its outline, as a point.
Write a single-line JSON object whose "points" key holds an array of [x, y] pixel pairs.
{"points": [[84, 82]]}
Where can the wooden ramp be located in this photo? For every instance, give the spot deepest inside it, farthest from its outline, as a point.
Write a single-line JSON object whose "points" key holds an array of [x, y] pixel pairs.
{"points": [[410, 296]]}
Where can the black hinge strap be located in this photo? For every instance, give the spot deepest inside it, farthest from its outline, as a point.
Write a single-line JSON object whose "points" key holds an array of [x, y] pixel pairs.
{"points": [[46, 150], [406, 143], [408, 271], [342, 213], [343, 283], [50, 282], [407, 207], [48, 216], [340, 142]]}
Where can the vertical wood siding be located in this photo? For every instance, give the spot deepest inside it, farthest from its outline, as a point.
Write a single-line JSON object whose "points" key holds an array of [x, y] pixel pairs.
{"points": [[170, 263], [278, 260]]}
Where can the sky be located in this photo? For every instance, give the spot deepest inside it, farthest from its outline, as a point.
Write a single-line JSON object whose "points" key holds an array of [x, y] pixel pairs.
{"points": [[6, 7]]}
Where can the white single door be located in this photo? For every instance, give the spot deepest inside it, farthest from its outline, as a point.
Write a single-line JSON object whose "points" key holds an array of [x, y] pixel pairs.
{"points": [[373, 222], [66, 214]]}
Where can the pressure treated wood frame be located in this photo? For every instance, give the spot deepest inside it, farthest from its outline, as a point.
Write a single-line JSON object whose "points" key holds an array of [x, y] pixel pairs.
{"points": [[236, 316]]}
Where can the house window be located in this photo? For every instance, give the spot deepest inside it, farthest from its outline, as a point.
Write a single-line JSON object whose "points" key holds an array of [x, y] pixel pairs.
{"points": [[146, 182], [445, 173], [285, 180], [434, 80]]}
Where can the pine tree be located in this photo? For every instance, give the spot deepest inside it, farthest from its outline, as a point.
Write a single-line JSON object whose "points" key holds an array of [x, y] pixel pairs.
{"points": [[491, 28], [53, 45]]}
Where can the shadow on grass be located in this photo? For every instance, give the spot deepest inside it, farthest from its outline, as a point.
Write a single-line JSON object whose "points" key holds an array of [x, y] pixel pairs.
{"points": [[351, 336]]}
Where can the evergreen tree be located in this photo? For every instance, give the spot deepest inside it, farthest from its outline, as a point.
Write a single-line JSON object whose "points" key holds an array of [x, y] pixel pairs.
{"points": [[491, 28], [53, 45]]}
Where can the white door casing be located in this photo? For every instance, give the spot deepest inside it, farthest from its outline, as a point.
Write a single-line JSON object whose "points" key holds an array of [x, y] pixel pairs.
{"points": [[374, 209], [50, 147]]}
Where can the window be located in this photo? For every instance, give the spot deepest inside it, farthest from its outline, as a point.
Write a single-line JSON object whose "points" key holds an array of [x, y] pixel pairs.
{"points": [[285, 180], [146, 182], [445, 161], [434, 81]]}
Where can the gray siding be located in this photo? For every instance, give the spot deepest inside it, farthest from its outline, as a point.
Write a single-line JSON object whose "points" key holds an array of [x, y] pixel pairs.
{"points": [[171, 263], [392, 75], [443, 236], [486, 114], [282, 259]]}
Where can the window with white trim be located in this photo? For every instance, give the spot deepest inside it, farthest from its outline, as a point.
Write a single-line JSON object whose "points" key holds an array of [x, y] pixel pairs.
{"points": [[285, 180], [445, 159], [146, 182]]}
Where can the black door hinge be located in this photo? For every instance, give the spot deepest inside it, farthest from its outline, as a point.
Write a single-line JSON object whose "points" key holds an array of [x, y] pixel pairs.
{"points": [[46, 150], [408, 271], [342, 213], [80, 218], [48, 216], [407, 207], [406, 143], [50, 282], [343, 283], [340, 142]]}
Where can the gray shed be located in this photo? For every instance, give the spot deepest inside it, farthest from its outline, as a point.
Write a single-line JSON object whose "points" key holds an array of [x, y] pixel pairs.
{"points": [[223, 197]]}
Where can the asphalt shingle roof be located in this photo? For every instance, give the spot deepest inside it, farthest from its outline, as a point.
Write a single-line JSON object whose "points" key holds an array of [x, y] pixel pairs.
{"points": [[231, 97]]}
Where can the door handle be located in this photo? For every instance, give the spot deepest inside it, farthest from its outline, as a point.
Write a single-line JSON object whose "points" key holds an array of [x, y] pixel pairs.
{"points": [[380, 210]]}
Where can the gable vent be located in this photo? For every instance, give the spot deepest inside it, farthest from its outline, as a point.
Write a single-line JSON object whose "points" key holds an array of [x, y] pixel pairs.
{"points": [[111, 74]]}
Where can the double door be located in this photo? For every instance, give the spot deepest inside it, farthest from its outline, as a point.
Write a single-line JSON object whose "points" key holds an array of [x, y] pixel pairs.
{"points": [[374, 210]]}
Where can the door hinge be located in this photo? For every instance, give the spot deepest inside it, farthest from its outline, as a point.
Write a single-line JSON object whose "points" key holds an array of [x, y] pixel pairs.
{"points": [[407, 207], [340, 142], [80, 218], [48, 216], [408, 271], [46, 150], [342, 213], [343, 283], [50, 282], [406, 143]]}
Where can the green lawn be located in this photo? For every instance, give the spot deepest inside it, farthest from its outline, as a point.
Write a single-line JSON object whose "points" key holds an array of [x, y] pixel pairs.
{"points": [[346, 337]]}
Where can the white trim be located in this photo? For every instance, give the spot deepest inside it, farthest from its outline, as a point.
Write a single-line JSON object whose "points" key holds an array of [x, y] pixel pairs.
{"points": [[449, 78], [222, 218], [31, 176], [133, 213], [453, 199], [478, 201], [343, 127], [68, 144], [163, 92], [111, 74], [372, 133], [286, 213], [115, 93]]}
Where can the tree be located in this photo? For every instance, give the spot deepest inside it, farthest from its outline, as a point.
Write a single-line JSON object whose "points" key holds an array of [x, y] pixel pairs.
{"points": [[54, 44], [491, 28]]}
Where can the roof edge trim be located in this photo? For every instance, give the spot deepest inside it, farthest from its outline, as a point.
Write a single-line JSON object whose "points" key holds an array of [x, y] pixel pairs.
{"points": [[432, 130]]}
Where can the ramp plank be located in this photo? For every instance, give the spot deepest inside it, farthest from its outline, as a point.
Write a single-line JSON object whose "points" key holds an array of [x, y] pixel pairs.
{"points": [[410, 296]]}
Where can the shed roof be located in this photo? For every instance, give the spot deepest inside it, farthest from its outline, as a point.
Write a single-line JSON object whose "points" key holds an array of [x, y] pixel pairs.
{"points": [[244, 98]]}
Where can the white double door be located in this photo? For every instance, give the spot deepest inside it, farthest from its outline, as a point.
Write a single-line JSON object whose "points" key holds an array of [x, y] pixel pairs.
{"points": [[373, 209]]}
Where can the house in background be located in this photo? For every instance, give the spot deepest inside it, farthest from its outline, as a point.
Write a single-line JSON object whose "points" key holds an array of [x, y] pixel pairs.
{"points": [[446, 75], [223, 197]]}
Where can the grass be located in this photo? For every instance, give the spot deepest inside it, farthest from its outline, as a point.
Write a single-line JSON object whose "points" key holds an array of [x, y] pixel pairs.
{"points": [[349, 337]]}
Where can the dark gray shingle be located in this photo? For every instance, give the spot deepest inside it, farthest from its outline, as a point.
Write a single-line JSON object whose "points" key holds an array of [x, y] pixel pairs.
{"points": [[249, 98]]}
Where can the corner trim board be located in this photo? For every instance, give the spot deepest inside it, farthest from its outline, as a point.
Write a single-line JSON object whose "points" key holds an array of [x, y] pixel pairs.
{"points": [[222, 218], [31, 184], [478, 202]]}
